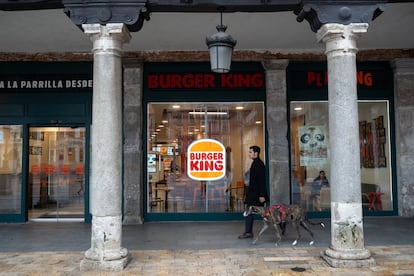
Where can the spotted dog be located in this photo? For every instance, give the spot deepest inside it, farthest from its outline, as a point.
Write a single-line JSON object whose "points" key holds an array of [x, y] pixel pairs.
{"points": [[278, 216]]}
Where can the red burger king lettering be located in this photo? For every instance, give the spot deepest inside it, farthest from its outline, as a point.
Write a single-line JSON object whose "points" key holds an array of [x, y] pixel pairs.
{"points": [[204, 80], [206, 160], [168, 81]]}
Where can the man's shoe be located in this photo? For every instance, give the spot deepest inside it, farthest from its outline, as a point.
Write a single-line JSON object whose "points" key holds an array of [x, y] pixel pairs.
{"points": [[246, 236]]}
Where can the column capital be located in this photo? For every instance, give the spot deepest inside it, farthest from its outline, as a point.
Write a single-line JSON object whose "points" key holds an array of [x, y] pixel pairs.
{"points": [[275, 64], [131, 13], [109, 37], [403, 66], [133, 62], [321, 12], [341, 39]]}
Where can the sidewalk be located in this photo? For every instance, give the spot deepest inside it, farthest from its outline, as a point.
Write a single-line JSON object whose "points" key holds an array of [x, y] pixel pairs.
{"points": [[200, 248], [261, 261]]}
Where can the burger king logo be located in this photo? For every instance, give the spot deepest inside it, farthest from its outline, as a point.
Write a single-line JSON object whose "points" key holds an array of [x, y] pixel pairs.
{"points": [[206, 160]]}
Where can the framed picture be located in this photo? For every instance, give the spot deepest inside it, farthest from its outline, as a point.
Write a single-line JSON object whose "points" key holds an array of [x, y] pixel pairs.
{"points": [[379, 122], [37, 135], [35, 150], [381, 136]]}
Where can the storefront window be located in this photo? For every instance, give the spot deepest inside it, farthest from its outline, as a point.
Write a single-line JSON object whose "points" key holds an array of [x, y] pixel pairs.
{"points": [[310, 155], [10, 169], [172, 127]]}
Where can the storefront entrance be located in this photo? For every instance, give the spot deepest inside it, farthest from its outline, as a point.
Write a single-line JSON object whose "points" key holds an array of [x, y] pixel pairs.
{"points": [[173, 127], [56, 178], [45, 118], [309, 138], [186, 102]]}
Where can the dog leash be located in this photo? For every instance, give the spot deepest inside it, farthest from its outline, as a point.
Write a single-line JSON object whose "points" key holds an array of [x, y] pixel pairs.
{"points": [[282, 212]]}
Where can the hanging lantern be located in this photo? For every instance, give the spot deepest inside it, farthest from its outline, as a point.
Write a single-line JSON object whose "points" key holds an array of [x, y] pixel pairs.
{"points": [[221, 47]]}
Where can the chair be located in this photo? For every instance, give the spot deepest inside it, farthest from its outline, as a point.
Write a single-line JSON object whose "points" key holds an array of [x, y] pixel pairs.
{"points": [[240, 195], [156, 202], [325, 198], [371, 197]]}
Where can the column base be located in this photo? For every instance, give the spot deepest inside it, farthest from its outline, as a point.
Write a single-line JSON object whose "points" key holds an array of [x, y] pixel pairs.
{"points": [[348, 259], [133, 220], [100, 265]]}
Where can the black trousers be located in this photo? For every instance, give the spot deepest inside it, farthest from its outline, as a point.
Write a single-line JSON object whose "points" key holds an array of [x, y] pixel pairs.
{"points": [[248, 226]]}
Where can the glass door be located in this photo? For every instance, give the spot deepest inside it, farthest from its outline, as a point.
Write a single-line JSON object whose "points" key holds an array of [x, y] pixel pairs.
{"points": [[56, 173]]}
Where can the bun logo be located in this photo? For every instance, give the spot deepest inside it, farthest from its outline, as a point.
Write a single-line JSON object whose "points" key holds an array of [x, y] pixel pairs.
{"points": [[206, 160]]}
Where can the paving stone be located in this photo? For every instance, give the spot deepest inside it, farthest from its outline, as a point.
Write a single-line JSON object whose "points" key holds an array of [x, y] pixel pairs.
{"points": [[390, 261], [153, 253]]}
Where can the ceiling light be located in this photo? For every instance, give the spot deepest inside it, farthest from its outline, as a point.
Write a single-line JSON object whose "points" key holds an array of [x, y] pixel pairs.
{"points": [[208, 113]]}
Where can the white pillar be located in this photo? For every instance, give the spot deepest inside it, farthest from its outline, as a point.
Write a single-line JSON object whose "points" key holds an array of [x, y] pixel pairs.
{"points": [[106, 252], [347, 235]]}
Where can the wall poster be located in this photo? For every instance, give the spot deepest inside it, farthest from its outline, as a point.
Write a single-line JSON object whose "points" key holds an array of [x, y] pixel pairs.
{"points": [[372, 143], [313, 145]]}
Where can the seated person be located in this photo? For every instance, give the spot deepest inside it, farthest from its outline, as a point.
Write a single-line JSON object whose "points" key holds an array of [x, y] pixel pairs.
{"points": [[318, 183]]}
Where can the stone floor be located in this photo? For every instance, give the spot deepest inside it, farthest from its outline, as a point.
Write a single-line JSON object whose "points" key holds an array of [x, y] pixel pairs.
{"points": [[200, 248], [260, 261]]}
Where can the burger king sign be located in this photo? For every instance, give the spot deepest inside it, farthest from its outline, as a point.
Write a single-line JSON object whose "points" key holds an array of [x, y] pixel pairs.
{"points": [[206, 160]]}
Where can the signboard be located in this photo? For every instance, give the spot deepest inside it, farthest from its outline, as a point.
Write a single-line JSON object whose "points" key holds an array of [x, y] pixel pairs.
{"points": [[183, 81], [206, 160], [309, 81], [152, 162], [9, 83]]}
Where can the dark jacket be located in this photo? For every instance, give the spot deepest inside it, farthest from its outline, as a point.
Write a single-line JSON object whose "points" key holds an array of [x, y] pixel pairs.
{"points": [[318, 183], [257, 184]]}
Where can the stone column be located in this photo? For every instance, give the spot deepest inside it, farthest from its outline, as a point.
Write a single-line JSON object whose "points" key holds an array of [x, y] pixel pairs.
{"points": [[277, 130], [404, 133], [133, 156], [347, 235], [106, 252]]}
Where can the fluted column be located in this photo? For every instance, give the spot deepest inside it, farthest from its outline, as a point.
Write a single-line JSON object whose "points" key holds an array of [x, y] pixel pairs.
{"points": [[106, 252], [347, 234]]}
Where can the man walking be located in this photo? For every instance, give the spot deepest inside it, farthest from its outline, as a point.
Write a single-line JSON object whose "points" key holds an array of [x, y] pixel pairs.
{"points": [[256, 191]]}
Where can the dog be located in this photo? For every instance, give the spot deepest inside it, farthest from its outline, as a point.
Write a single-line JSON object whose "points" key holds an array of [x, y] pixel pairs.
{"points": [[278, 216]]}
